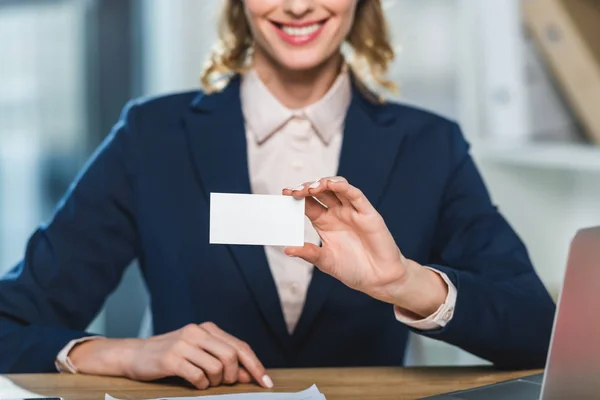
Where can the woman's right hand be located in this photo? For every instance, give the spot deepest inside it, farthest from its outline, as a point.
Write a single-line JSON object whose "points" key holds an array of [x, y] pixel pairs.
{"points": [[204, 355]]}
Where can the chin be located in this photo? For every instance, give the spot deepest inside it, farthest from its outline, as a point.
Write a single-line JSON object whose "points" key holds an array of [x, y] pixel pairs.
{"points": [[301, 60], [298, 66]]}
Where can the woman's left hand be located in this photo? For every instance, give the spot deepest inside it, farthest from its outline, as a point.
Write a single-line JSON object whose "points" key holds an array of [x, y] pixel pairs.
{"points": [[359, 250]]}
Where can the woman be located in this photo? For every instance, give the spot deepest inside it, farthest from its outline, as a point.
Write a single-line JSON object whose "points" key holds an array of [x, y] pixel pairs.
{"points": [[419, 247]]}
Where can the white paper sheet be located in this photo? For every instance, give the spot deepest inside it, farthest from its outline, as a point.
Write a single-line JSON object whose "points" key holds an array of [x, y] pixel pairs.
{"points": [[311, 393], [254, 219], [10, 390]]}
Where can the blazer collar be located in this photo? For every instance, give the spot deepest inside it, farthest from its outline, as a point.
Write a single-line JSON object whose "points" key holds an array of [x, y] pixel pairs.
{"points": [[380, 113], [264, 114]]}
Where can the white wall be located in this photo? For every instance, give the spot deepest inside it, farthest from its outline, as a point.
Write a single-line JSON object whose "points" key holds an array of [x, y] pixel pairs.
{"points": [[546, 207], [178, 35], [42, 113]]}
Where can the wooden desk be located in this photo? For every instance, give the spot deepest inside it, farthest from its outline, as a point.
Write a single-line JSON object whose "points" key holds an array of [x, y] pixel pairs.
{"points": [[336, 384]]}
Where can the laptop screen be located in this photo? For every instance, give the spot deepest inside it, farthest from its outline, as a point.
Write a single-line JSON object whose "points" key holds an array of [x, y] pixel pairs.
{"points": [[573, 369]]}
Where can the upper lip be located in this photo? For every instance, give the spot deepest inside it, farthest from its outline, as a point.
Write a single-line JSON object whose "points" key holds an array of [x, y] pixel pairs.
{"points": [[298, 24]]}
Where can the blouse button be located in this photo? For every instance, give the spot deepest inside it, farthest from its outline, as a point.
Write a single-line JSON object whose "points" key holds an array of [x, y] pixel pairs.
{"points": [[295, 288], [297, 165], [448, 315]]}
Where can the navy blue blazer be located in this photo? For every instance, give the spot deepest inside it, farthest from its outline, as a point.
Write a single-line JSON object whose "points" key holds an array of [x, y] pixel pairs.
{"points": [[145, 195]]}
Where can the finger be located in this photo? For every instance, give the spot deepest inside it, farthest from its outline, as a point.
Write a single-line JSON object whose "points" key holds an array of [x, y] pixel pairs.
{"points": [[244, 376], [316, 189], [314, 210], [310, 253], [346, 192], [246, 356], [192, 374], [310, 189], [225, 353], [319, 190], [212, 367], [191, 347], [298, 192]]}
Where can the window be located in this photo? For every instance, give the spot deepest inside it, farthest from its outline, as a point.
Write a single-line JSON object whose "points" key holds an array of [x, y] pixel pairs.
{"points": [[42, 113]]}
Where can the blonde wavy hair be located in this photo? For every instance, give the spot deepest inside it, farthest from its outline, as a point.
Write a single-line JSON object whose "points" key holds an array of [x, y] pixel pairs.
{"points": [[369, 39]]}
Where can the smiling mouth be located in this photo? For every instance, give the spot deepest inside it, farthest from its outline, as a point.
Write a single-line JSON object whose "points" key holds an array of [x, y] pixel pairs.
{"points": [[299, 34]]}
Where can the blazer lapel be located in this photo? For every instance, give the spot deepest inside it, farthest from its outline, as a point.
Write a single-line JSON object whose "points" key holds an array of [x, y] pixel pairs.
{"points": [[370, 150], [217, 143]]}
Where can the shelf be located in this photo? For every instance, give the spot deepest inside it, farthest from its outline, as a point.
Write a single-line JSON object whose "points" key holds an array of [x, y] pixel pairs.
{"points": [[561, 156]]}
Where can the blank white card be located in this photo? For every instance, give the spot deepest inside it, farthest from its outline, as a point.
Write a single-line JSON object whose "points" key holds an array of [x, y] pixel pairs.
{"points": [[256, 219]]}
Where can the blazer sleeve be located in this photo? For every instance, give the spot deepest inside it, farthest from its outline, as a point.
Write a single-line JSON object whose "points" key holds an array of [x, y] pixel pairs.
{"points": [[503, 312], [75, 261]]}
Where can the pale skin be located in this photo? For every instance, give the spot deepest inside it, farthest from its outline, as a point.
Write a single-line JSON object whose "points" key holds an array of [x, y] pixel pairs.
{"points": [[357, 247]]}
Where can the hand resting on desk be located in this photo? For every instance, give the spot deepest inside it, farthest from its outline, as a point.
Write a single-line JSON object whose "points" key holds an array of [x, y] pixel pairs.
{"points": [[204, 355]]}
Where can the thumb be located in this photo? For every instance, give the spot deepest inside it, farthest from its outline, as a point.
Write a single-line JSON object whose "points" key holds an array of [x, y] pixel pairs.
{"points": [[309, 252]]}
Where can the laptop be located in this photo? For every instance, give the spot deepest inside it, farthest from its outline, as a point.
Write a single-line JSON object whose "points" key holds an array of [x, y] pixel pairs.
{"points": [[573, 365]]}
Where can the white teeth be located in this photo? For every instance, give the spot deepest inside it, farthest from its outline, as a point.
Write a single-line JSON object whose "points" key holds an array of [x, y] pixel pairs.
{"points": [[303, 31]]}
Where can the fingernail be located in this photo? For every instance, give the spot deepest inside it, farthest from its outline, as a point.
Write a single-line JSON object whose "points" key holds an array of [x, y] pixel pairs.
{"points": [[267, 381], [315, 185], [288, 188], [298, 188]]}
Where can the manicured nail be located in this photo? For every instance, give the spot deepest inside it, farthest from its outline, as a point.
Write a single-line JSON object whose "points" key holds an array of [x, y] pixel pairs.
{"points": [[315, 185], [288, 188], [298, 188], [267, 381]]}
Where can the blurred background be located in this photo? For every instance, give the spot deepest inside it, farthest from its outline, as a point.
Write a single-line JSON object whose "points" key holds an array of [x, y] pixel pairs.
{"points": [[67, 67]]}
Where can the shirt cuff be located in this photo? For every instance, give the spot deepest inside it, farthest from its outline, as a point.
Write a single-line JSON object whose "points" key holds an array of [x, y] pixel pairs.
{"points": [[63, 363], [438, 319]]}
